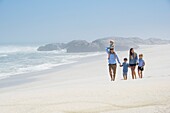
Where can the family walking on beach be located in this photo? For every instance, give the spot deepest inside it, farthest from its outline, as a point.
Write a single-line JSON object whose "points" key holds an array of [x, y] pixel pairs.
{"points": [[133, 62]]}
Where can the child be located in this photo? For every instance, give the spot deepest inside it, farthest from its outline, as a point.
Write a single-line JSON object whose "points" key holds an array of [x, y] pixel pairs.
{"points": [[141, 65], [125, 68], [111, 46]]}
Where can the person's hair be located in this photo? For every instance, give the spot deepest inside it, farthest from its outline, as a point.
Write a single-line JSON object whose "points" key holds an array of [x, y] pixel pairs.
{"points": [[125, 59], [111, 48], [113, 51], [141, 55], [111, 41], [130, 52]]}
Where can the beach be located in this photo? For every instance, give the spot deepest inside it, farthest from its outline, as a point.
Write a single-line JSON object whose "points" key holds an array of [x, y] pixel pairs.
{"points": [[85, 87]]}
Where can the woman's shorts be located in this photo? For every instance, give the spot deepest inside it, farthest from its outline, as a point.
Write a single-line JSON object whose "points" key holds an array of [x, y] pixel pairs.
{"points": [[132, 64], [140, 68]]}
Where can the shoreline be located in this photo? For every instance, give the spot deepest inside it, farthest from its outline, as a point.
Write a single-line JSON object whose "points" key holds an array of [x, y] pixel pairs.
{"points": [[19, 79], [85, 87]]}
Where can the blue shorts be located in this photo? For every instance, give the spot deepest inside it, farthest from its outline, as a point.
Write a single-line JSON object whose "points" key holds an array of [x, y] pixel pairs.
{"points": [[125, 73]]}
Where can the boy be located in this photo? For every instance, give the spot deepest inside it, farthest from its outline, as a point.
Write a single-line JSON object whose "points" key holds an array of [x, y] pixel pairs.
{"points": [[111, 46], [125, 66], [141, 65]]}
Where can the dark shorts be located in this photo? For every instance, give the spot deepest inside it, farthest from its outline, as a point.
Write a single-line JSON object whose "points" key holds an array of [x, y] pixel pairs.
{"points": [[132, 64], [140, 68]]}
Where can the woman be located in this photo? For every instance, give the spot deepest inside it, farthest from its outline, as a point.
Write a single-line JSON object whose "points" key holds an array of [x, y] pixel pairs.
{"points": [[112, 57], [133, 59]]}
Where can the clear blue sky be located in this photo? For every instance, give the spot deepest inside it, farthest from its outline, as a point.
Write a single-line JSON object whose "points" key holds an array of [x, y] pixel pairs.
{"points": [[46, 21]]}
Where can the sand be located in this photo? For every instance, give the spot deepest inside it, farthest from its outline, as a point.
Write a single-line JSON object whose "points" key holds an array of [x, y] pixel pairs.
{"points": [[85, 87]]}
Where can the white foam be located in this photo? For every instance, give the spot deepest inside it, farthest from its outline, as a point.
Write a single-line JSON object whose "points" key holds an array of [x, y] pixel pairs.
{"points": [[13, 49], [54, 51], [25, 59], [3, 55], [36, 68]]}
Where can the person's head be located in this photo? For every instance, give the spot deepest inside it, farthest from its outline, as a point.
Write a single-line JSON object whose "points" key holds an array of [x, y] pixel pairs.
{"points": [[125, 59], [141, 56], [131, 51], [111, 50], [111, 42]]}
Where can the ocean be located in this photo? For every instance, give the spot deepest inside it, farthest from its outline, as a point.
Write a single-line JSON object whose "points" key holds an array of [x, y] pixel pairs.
{"points": [[16, 60]]}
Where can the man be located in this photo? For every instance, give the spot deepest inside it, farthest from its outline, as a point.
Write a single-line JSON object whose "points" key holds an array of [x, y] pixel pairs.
{"points": [[112, 57]]}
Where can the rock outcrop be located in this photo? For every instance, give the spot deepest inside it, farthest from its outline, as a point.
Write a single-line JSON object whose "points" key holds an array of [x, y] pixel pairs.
{"points": [[51, 47], [121, 44]]}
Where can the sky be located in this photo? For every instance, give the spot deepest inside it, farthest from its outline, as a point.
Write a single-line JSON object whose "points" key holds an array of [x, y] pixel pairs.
{"points": [[50, 21]]}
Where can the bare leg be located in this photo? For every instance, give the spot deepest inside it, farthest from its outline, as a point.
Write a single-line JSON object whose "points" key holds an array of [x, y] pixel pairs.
{"points": [[141, 75], [125, 77], [131, 72], [134, 72]]}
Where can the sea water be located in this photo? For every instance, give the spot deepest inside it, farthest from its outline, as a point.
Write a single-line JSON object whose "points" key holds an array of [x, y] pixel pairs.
{"points": [[16, 60]]}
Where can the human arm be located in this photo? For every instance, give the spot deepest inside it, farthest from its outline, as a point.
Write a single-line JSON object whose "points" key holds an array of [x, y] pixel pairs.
{"points": [[136, 58], [118, 60], [107, 49], [143, 63], [129, 59]]}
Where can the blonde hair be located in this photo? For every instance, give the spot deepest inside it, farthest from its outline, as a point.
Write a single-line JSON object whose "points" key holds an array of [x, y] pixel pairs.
{"points": [[141, 55]]}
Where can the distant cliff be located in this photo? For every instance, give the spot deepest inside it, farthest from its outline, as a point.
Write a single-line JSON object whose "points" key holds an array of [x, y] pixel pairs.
{"points": [[121, 44]]}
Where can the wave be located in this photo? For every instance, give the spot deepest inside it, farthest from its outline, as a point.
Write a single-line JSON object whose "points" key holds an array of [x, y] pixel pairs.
{"points": [[36, 68], [33, 61], [13, 49], [54, 51], [25, 49], [3, 55]]}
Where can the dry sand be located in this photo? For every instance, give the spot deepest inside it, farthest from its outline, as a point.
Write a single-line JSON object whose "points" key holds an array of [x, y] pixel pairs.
{"points": [[86, 88]]}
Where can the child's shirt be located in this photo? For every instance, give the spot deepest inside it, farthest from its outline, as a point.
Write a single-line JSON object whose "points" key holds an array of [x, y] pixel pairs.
{"points": [[141, 62], [125, 66]]}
